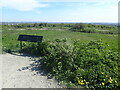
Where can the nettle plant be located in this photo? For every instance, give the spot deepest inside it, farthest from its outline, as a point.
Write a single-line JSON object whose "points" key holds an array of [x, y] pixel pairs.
{"points": [[91, 65]]}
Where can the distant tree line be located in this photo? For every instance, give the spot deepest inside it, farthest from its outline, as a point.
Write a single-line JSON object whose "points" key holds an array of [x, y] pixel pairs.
{"points": [[76, 27], [40, 25]]}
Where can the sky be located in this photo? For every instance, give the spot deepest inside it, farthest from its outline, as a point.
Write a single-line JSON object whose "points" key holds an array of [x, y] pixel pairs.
{"points": [[59, 10]]}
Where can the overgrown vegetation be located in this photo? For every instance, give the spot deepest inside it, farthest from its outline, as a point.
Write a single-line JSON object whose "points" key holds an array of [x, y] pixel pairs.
{"points": [[80, 60], [90, 65]]}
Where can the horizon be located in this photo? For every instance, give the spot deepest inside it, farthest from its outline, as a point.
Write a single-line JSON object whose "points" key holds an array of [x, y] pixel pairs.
{"points": [[51, 22], [88, 11]]}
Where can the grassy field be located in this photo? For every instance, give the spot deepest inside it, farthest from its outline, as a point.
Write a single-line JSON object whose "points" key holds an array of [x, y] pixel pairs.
{"points": [[9, 37]]}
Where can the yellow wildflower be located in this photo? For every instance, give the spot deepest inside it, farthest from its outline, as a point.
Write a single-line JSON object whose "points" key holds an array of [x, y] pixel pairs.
{"points": [[103, 73], [110, 80], [81, 82], [106, 75], [103, 79], [103, 83], [115, 81]]}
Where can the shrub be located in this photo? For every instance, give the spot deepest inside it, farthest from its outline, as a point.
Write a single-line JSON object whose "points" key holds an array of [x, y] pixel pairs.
{"points": [[90, 65], [89, 30], [35, 49], [98, 64], [78, 27]]}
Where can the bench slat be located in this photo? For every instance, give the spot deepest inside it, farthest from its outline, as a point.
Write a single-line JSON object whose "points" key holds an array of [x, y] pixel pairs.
{"points": [[30, 38]]}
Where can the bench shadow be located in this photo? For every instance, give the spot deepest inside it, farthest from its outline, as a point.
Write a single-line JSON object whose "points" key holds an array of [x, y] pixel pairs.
{"points": [[24, 55], [36, 66]]}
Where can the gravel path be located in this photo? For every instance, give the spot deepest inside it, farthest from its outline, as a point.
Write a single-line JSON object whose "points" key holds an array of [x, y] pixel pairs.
{"points": [[20, 72]]}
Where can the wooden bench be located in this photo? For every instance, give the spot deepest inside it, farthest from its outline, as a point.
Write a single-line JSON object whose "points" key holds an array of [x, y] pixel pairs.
{"points": [[30, 38]]}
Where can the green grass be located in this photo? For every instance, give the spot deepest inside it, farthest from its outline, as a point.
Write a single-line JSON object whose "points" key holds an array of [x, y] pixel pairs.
{"points": [[9, 37]]}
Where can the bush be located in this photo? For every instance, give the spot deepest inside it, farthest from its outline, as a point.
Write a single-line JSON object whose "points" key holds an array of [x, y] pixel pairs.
{"points": [[97, 65], [90, 65], [78, 27], [82, 28], [35, 49]]}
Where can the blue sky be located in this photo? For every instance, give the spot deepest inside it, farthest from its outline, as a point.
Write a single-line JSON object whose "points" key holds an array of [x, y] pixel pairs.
{"points": [[59, 10]]}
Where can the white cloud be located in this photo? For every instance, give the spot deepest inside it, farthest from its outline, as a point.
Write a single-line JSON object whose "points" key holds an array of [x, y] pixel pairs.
{"points": [[22, 5]]}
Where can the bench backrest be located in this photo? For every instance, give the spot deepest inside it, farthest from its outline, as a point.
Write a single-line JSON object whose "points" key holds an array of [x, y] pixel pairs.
{"points": [[30, 38]]}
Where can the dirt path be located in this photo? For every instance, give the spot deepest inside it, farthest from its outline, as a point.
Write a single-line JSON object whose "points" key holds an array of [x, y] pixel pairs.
{"points": [[20, 72]]}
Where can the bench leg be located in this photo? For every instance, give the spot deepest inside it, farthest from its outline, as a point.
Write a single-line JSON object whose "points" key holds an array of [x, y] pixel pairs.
{"points": [[21, 45]]}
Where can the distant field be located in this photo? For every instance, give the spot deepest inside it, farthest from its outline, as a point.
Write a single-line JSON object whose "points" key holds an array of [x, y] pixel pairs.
{"points": [[9, 37]]}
